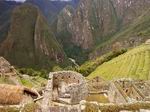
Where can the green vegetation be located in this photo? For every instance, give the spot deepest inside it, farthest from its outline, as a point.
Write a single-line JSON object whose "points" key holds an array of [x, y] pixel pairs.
{"points": [[27, 77], [100, 98], [91, 65], [42, 73], [133, 64], [76, 53], [36, 46], [33, 82], [33, 78], [138, 30]]}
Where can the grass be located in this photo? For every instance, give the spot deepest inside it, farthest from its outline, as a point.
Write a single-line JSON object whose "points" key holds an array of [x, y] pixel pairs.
{"points": [[133, 64], [100, 98], [35, 82], [89, 66], [29, 81], [139, 28]]}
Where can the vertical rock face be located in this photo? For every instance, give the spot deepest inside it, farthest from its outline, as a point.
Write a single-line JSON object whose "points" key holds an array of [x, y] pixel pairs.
{"points": [[95, 21], [51, 8], [64, 19], [6, 8], [81, 30], [30, 41], [92, 18], [128, 10]]}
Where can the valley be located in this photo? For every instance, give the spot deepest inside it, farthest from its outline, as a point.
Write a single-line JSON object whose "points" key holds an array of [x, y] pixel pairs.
{"points": [[75, 56]]}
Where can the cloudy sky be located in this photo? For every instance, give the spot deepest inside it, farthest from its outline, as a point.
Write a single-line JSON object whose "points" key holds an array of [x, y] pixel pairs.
{"points": [[25, 0]]}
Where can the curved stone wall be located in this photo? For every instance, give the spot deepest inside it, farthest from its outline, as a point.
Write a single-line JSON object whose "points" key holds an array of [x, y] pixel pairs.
{"points": [[67, 76], [64, 84]]}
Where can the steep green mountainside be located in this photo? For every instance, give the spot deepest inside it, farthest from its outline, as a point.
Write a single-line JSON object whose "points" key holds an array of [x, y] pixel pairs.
{"points": [[6, 8], [51, 8], [84, 29], [96, 21], [30, 42], [134, 34], [133, 64], [61, 27], [90, 65]]}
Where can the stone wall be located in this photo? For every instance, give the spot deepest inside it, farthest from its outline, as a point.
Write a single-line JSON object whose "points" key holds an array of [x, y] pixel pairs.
{"points": [[76, 86], [64, 109], [5, 68], [68, 77], [126, 107], [135, 95], [98, 84], [115, 95], [78, 93]]}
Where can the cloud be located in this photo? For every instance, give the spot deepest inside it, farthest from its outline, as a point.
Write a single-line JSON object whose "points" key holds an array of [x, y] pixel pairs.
{"points": [[25, 0]]}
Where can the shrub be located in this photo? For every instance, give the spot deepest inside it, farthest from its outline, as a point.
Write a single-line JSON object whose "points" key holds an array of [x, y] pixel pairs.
{"points": [[57, 68], [89, 66], [31, 72]]}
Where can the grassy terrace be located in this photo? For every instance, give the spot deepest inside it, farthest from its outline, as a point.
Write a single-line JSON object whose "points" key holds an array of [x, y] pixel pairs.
{"points": [[133, 64]]}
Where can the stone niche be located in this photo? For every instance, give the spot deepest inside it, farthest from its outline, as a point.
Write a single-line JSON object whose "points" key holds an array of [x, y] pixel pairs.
{"points": [[68, 86]]}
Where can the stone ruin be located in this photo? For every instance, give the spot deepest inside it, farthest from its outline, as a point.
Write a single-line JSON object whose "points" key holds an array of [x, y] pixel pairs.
{"points": [[65, 87], [124, 95], [147, 41], [127, 90], [16, 95], [5, 68], [97, 84]]}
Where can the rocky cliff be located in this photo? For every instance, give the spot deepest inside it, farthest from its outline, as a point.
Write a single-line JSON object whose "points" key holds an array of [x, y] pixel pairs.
{"points": [[6, 8], [51, 8], [30, 41], [95, 21]]}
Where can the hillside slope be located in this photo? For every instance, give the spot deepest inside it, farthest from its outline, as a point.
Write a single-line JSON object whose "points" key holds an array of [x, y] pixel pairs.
{"points": [[132, 35], [51, 8], [6, 8], [133, 64], [95, 21], [30, 42]]}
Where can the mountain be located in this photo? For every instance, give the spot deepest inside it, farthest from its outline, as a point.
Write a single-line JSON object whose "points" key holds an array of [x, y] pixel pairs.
{"points": [[52, 8], [93, 24], [6, 8], [133, 64], [30, 42], [96, 21], [130, 36], [82, 29]]}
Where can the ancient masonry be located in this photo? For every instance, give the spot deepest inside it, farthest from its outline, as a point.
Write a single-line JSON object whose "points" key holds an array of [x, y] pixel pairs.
{"points": [[6, 69], [124, 95], [68, 91], [65, 88], [14, 94], [127, 90]]}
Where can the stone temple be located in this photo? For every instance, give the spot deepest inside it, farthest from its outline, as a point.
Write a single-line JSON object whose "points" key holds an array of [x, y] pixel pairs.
{"points": [[64, 88], [69, 91]]}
